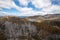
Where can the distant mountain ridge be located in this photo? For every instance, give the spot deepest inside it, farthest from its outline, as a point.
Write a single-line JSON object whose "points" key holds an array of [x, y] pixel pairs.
{"points": [[45, 17], [52, 15]]}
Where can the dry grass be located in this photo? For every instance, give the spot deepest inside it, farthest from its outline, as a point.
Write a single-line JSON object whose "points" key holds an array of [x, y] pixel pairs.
{"points": [[45, 28]]}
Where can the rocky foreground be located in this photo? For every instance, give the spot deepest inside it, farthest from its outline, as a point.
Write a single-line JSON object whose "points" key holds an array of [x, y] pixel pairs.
{"points": [[15, 28]]}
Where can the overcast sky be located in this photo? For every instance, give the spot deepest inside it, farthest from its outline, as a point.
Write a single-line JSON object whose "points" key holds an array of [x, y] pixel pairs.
{"points": [[29, 7]]}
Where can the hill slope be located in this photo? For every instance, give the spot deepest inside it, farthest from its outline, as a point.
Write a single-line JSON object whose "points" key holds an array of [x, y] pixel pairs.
{"points": [[12, 28]]}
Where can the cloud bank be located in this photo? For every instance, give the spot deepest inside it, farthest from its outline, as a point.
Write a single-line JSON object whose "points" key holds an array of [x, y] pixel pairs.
{"points": [[46, 7]]}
